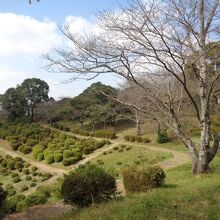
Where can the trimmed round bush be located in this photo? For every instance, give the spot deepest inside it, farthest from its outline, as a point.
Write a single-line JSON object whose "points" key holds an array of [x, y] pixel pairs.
{"points": [[25, 149], [67, 154], [11, 164], [49, 159], [86, 185], [28, 178], [16, 179], [19, 165], [146, 140], [32, 142], [24, 188], [141, 179], [26, 171], [37, 149], [58, 157], [33, 185], [40, 157]]}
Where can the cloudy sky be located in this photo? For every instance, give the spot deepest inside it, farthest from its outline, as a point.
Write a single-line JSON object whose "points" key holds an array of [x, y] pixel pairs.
{"points": [[28, 31]]}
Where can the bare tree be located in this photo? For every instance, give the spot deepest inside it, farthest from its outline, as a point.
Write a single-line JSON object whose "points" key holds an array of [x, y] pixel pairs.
{"points": [[153, 44], [134, 96]]}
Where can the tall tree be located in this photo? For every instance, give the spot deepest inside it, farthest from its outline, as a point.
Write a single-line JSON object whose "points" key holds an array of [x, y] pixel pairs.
{"points": [[155, 40], [34, 91]]}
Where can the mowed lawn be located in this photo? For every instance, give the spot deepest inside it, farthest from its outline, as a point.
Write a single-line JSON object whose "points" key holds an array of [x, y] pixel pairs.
{"points": [[115, 160], [184, 197]]}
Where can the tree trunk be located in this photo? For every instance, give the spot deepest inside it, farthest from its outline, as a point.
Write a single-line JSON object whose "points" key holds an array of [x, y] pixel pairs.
{"points": [[138, 122], [82, 125], [93, 127]]}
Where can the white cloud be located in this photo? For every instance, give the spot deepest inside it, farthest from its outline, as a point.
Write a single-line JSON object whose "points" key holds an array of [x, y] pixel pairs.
{"points": [[21, 35], [10, 78], [80, 25]]}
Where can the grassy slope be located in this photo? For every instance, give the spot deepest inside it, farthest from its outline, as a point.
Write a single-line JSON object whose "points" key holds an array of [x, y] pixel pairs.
{"points": [[183, 197], [115, 161]]}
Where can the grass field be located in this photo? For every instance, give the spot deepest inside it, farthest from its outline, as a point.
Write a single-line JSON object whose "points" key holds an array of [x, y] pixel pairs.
{"points": [[184, 197], [123, 155]]}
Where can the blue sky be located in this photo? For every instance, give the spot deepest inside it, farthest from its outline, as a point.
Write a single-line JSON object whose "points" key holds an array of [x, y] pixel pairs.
{"points": [[28, 31]]}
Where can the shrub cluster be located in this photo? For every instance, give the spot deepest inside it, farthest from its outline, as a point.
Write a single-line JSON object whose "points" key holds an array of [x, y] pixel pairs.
{"points": [[133, 138], [141, 179], [87, 185], [47, 144]]}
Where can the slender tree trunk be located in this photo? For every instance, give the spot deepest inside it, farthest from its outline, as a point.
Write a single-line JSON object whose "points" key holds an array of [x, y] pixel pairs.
{"points": [[138, 122], [104, 127], [82, 125], [93, 126]]}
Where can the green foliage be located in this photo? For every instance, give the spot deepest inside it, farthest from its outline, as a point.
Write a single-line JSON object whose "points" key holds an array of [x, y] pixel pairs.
{"points": [[162, 137], [49, 158], [88, 184], [58, 157], [133, 138], [141, 179], [37, 149]]}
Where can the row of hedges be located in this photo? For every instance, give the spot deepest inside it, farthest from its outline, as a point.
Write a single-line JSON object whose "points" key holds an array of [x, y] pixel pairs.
{"points": [[47, 144], [133, 138], [109, 134]]}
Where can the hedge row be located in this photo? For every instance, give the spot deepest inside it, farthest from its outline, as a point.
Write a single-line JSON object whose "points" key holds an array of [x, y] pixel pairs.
{"points": [[47, 144], [139, 139]]}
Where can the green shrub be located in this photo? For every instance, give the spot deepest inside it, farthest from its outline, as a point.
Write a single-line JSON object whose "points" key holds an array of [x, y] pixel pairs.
{"points": [[37, 149], [19, 164], [46, 176], [146, 140], [11, 164], [58, 157], [128, 148], [162, 137], [28, 178], [24, 188], [13, 175], [16, 179], [115, 148], [88, 184], [141, 179], [34, 168], [32, 142], [67, 154], [34, 173], [26, 171], [33, 185], [132, 138], [138, 139], [49, 158], [40, 157], [25, 149], [15, 145]]}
